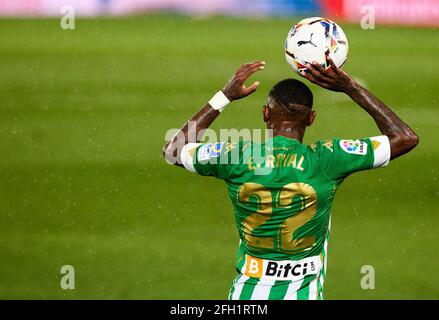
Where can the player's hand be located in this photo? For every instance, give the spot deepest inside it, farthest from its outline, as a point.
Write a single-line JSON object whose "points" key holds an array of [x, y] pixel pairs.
{"points": [[333, 79], [235, 88]]}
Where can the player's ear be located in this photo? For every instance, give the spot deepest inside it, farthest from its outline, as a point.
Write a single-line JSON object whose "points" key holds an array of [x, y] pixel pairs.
{"points": [[266, 113], [311, 117]]}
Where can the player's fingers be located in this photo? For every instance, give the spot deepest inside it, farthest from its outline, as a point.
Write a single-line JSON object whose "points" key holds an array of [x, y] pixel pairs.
{"points": [[332, 64], [307, 76], [319, 68], [251, 89], [249, 71], [255, 63], [249, 65], [317, 73], [312, 79], [258, 65], [255, 69], [245, 65], [327, 74], [241, 68]]}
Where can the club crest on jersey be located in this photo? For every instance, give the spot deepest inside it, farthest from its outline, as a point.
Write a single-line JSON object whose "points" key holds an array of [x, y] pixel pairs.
{"points": [[210, 150], [354, 147]]}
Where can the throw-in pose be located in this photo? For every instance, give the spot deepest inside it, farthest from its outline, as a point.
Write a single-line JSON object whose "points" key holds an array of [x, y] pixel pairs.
{"points": [[282, 198]]}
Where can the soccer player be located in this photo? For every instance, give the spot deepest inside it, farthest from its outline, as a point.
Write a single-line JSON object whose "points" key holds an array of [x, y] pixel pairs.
{"points": [[282, 202]]}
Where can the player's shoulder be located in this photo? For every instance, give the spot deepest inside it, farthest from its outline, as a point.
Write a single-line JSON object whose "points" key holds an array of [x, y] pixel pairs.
{"points": [[228, 152], [338, 145], [320, 147]]}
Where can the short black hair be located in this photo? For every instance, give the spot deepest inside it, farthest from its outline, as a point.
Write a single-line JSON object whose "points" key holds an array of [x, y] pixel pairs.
{"points": [[292, 91]]}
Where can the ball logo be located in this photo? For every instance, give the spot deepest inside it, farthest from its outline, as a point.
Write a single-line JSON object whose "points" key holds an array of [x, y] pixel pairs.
{"points": [[312, 39], [354, 146]]}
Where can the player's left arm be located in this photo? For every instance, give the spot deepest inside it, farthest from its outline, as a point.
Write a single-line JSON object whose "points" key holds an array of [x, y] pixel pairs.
{"points": [[234, 89], [401, 137]]}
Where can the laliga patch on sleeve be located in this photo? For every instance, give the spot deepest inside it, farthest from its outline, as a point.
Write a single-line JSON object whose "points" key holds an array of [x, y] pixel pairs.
{"points": [[210, 150], [354, 147]]}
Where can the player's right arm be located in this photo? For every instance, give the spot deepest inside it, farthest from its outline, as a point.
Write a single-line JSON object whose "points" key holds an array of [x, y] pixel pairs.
{"points": [[184, 146], [402, 138]]}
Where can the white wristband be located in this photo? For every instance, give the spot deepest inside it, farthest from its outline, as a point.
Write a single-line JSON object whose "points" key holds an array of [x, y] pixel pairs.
{"points": [[219, 101]]}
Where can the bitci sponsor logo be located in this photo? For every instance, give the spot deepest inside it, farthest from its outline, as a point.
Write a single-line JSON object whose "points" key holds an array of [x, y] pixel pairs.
{"points": [[281, 270]]}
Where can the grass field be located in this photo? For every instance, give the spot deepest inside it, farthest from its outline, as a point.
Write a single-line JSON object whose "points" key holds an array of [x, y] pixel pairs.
{"points": [[83, 116]]}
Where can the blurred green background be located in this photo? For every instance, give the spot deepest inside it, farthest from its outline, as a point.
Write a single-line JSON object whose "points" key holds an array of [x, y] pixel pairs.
{"points": [[83, 116]]}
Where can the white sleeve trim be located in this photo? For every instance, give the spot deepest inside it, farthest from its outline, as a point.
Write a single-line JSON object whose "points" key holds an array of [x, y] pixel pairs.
{"points": [[186, 158], [381, 147]]}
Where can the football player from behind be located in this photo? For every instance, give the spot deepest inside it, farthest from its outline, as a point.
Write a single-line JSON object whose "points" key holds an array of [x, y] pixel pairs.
{"points": [[282, 199]]}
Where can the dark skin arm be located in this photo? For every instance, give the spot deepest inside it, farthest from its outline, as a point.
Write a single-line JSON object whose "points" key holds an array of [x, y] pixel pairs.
{"points": [[234, 89], [402, 138]]}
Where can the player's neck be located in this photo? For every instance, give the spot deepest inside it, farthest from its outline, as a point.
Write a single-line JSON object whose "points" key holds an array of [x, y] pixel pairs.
{"points": [[288, 129]]}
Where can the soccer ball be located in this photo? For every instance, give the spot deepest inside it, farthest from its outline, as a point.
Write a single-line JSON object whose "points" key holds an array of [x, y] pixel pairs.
{"points": [[311, 40]]}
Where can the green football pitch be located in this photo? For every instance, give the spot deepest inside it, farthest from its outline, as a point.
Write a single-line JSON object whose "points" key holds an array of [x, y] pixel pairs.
{"points": [[83, 116]]}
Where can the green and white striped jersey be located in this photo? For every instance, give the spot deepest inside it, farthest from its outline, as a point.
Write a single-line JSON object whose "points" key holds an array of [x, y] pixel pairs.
{"points": [[282, 192]]}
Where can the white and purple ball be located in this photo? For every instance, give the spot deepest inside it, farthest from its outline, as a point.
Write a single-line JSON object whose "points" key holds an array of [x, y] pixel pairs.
{"points": [[312, 39]]}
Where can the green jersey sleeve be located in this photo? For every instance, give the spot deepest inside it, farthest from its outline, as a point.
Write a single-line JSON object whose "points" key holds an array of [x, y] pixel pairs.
{"points": [[211, 159], [341, 157]]}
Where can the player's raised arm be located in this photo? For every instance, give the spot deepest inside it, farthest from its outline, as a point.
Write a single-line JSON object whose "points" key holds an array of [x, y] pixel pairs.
{"points": [[234, 89], [401, 137]]}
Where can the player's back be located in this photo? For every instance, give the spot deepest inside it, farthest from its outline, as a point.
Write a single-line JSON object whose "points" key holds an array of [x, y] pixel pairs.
{"points": [[282, 192], [281, 199]]}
